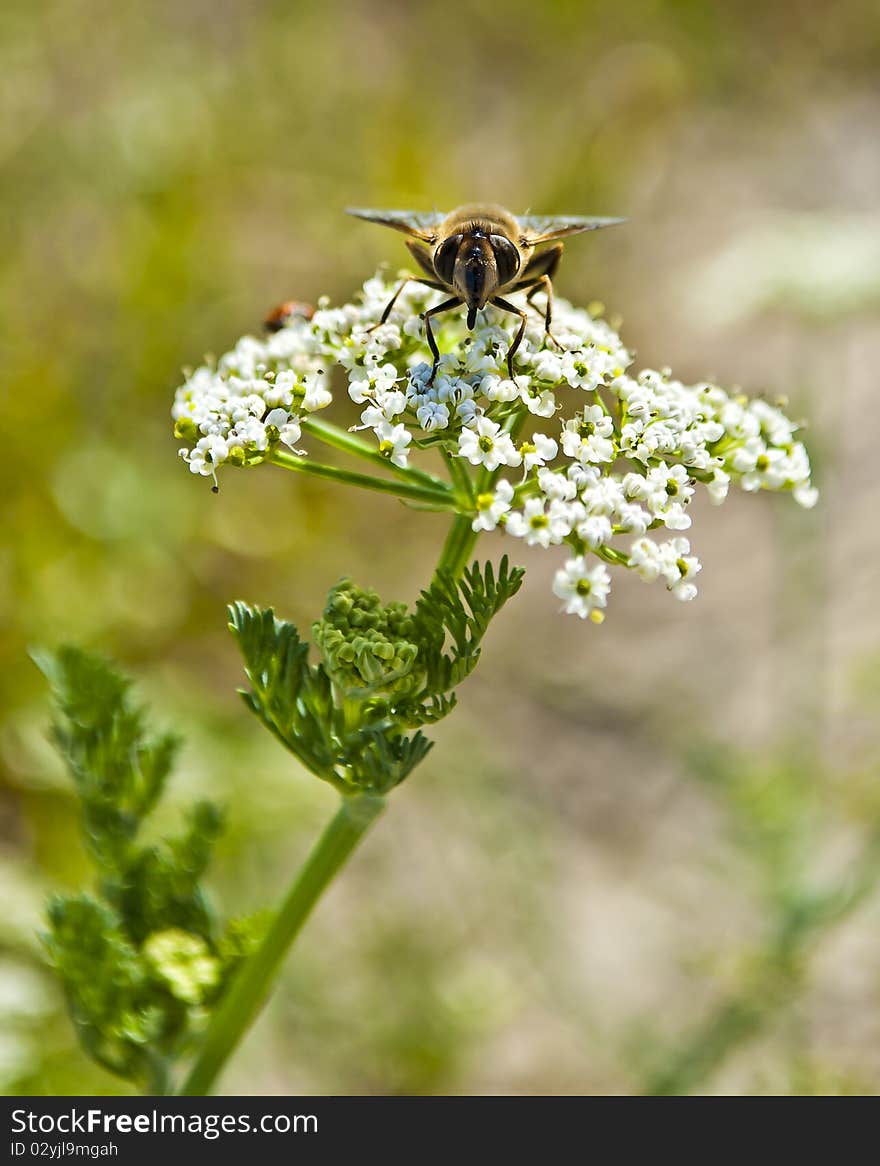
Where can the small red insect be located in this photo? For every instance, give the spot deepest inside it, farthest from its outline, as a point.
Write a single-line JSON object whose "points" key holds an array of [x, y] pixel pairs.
{"points": [[281, 316]]}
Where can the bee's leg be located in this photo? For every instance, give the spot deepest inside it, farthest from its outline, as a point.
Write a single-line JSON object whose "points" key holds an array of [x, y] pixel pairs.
{"points": [[537, 275], [446, 306], [391, 303], [407, 279], [545, 284], [517, 340]]}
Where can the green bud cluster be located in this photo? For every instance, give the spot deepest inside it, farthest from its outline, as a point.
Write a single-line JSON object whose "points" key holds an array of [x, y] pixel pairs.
{"points": [[363, 644], [355, 717]]}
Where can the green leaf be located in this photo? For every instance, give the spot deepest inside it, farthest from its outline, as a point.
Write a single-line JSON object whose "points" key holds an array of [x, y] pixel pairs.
{"points": [[161, 888], [293, 700], [138, 963], [119, 769], [107, 985], [459, 612]]}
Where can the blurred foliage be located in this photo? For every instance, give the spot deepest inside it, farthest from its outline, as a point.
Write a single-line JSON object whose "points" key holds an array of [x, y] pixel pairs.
{"points": [[171, 171], [780, 811], [143, 959]]}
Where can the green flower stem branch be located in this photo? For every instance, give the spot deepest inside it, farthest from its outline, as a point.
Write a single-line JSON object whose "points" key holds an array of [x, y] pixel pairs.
{"points": [[348, 442], [436, 496], [248, 991]]}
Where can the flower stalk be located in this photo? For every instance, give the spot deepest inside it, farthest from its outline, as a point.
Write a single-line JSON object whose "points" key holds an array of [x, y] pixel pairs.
{"points": [[439, 497], [248, 991], [347, 442]]}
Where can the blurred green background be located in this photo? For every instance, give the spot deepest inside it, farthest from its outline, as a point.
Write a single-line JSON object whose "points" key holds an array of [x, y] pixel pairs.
{"points": [[641, 857]]}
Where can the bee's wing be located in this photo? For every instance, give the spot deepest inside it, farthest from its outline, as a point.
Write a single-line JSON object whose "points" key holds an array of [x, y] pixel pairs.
{"points": [[419, 224], [543, 228]]}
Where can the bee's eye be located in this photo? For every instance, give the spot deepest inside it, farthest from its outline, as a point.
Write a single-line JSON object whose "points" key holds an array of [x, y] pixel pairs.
{"points": [[444, 257], [506, 258]]}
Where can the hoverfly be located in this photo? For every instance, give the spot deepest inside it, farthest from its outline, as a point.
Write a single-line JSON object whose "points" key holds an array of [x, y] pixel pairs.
{"points": [[477, 252]]}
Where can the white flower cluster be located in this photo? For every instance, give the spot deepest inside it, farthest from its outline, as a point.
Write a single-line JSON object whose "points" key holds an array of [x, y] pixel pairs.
{"points": [[603, 457], [253, 396]]}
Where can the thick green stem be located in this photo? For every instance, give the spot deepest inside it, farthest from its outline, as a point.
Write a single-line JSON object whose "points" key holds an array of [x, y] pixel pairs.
{"points": [[458, 546], [248, 991], [439, 496], [462, 538]]}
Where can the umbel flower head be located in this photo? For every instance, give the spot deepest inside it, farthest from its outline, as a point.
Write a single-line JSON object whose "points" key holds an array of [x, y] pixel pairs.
{"points": [[575, 451]]}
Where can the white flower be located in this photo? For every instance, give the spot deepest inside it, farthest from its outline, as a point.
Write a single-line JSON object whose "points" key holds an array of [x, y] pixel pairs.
{"points": [[290, 435], [772, 469], [289, 429], [604, 496], [385, 407], [684, 591], [393, 441], [806, 496], [548, 366], [583, 589], [644, 558], [432, 415], [496, 388], [537, 452], [678, 568], [317, 395], [209, 453], [492, 505], [586, 437], [632, 518], [595, 530], [556, 485], [486, 444], [536, 525], [580, 370], [745, 457], [583, 477], [539, 401], [276, 418], [718, 488], [674, 517], [665, 486]]}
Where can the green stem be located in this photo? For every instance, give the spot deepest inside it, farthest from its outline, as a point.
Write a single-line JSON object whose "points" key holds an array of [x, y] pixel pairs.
{"points": [[341, 439], [462, 538], [459, 475], [440, 495], [458, 546], [159, 1078], [249, 989]]}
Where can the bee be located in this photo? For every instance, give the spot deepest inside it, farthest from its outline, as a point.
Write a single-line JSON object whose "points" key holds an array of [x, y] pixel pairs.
{"points": [[279, 317], [478, 252]]}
